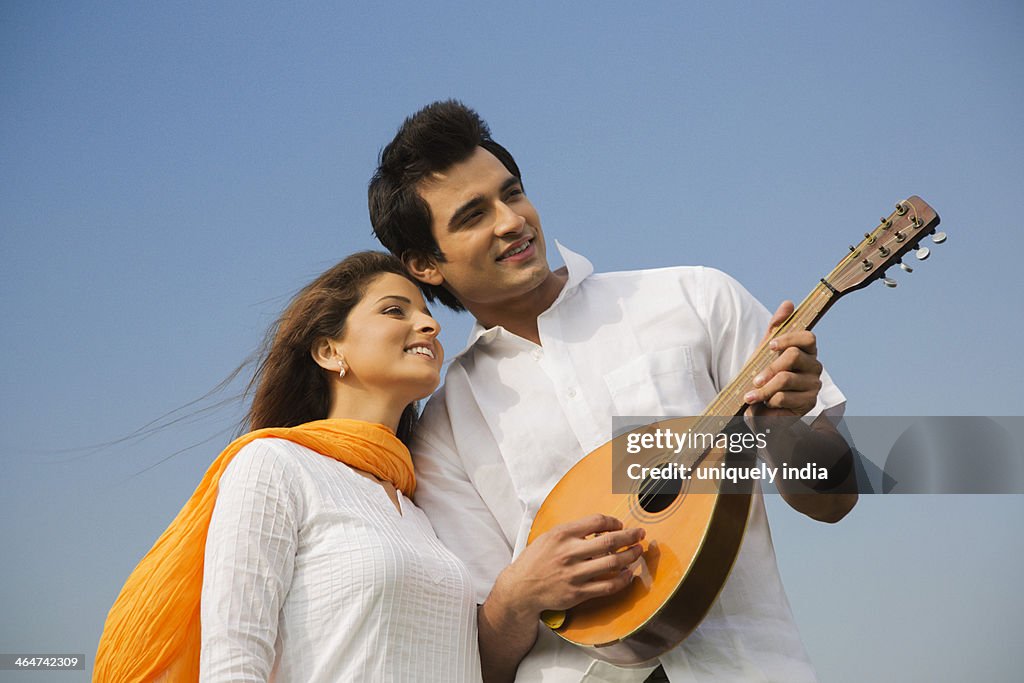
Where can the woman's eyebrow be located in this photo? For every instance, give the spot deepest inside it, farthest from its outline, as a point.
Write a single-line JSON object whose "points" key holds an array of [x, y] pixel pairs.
{"points": [[394, 296]]}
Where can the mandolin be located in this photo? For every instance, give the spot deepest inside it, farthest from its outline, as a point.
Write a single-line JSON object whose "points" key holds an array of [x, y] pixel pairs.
{"points": [[694, 528]]}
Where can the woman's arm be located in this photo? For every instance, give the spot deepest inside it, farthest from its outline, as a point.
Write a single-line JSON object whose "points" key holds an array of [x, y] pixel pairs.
{"points": [[250, 552]]}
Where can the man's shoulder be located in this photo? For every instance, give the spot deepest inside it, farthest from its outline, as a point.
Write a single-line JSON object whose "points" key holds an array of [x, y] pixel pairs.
{"points": [[658, 271], [434, 423], [435, 408], [697, 286], [686, 275]]}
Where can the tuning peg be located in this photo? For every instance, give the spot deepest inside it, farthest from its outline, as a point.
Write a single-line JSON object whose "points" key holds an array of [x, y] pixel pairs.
{"points": [[906, 268], [939, 237], [889, 282], [923, 253]]}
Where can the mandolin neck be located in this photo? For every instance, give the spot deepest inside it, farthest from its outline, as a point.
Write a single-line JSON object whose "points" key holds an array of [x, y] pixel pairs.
{"points": [[729, 401]]}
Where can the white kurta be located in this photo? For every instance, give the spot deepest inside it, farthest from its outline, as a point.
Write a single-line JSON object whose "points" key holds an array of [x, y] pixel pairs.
{"points": [[513, 417], [312, 574]]}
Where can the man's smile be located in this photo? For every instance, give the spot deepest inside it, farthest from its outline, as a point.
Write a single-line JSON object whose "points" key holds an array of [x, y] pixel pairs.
{"points": [[522, 248]]}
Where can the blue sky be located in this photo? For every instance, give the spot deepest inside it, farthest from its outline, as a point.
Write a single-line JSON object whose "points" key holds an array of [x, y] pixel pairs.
{"points": [[173, 172]]}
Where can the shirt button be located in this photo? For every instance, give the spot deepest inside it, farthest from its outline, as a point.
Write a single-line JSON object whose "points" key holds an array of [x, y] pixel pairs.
{"points": [[572, 393], [537, 354]]}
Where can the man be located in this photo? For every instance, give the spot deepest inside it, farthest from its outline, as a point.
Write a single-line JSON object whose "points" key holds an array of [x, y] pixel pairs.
{"points": [[553, 356]]}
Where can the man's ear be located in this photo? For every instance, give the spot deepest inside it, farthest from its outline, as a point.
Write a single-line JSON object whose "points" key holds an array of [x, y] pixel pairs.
{"points": [[423, 267]]}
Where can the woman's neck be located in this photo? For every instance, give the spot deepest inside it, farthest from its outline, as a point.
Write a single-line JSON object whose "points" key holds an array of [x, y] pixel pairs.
{"points": [[351, 403]]}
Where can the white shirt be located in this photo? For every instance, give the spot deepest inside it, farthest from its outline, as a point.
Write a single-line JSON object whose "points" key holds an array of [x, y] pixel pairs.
{"points": [[513, 417], [311, 574]]}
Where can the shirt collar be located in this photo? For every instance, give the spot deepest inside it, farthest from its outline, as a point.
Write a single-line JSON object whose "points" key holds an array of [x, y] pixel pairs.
{"points": [[578, 266], [579, 269]]}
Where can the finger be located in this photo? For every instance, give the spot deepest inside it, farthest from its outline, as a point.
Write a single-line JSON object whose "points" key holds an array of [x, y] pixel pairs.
{"points": [[804, 340], [602, 568], [788, 389], [798, 403], [608, 586], [798, 385], [615, 561], [788, 381], [609, 543], [780, 316], [791, 360], [591, 524]]}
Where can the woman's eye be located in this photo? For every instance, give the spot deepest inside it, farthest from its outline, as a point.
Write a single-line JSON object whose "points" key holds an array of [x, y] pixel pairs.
{"points": [[393, 310]]}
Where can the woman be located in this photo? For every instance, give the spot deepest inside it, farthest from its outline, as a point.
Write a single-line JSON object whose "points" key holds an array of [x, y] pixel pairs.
{"points": [[300, 553], [316, 568]]}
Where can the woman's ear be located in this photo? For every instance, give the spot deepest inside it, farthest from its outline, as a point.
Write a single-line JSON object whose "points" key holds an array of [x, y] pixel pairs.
{"points": [[423, 268], [327, 354]]}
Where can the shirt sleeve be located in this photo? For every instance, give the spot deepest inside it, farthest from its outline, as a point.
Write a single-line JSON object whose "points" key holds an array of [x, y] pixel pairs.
{"points": [[736, 324], [447, 491], [250, 553]]}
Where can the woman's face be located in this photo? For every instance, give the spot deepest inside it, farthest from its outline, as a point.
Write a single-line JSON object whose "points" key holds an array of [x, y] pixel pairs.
{"points": [[390, 340]]}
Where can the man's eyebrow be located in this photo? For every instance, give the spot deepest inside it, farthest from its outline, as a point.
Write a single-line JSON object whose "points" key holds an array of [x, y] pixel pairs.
{"points": [[473, 202], [511, 182], [465, 208]]}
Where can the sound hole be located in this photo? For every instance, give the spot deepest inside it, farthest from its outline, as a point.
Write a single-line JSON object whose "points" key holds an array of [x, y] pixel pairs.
{"points": [[657, 494]]}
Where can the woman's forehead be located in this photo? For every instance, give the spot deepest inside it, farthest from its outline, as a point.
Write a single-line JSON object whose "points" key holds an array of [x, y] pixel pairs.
{"points": [[393, 285]]}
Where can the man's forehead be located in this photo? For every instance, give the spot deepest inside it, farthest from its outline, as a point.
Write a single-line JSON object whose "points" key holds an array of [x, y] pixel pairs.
{"points": [[466, 178], [436, 181], [441, 194]]}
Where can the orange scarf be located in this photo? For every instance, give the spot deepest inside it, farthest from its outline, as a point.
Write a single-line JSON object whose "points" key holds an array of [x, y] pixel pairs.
{"points": [[152, 631]]}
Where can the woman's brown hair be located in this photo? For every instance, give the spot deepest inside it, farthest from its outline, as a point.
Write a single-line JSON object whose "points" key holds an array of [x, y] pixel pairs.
{"points": [[290, 388]]}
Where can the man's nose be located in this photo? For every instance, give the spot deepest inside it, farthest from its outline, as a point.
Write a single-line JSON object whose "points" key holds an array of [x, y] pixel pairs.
{"points": [[508, 221]]}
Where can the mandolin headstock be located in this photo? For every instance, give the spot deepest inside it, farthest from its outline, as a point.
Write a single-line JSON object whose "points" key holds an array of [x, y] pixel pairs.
{"points": [[897, 234]]}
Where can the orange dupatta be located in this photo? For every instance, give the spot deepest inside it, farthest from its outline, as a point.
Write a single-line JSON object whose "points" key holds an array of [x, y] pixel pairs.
{"points": [[152, 632]]}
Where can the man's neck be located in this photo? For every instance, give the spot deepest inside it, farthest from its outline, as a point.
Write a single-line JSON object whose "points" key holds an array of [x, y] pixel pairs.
{"points": [[519, 316]]}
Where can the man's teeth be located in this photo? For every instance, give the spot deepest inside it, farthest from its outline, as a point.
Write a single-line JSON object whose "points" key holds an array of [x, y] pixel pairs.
{"points": [[517, 250], [421, 350]]}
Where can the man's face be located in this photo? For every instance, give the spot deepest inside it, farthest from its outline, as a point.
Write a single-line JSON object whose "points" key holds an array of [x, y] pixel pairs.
{"points": [[488, 231]]}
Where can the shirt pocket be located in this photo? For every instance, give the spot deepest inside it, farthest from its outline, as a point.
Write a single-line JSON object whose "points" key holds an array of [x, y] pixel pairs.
{"points": [[657, 384]]}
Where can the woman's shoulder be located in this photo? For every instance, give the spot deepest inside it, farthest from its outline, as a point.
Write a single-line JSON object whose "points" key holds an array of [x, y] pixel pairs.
{"points": [[280, 461], [267, 461]]}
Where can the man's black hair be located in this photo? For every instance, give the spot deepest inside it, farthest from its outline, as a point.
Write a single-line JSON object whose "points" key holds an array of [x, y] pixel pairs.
{"points": [[433, 139]]}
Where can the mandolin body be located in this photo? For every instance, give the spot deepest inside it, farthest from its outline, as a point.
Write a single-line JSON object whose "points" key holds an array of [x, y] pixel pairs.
{"points": [[689, 548]]}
